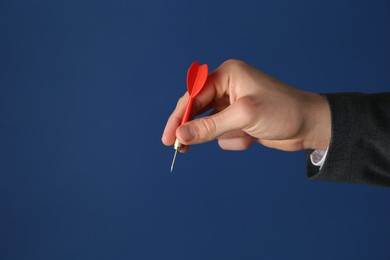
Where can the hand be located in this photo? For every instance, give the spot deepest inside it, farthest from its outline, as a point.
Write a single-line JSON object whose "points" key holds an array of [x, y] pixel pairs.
{"points": [[249, 105]]}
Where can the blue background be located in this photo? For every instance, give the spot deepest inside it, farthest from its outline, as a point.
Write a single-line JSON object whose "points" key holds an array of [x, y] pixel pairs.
{"points": [[85, 91]]}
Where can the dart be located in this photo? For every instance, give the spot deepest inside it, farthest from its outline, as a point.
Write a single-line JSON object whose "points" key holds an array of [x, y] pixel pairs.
{"points": [[196, 78]]}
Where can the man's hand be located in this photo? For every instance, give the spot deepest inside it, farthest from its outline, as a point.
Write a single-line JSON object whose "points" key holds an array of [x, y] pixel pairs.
{"points": [[249, 105]]}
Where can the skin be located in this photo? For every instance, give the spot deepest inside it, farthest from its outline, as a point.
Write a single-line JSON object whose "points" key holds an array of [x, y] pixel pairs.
{"points": [[250, 106]]}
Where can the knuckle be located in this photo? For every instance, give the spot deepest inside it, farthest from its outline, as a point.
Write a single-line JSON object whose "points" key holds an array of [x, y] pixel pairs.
{"points": [[247, 109], [181, 100], [176, 114], [233, 64], [208, 128]]}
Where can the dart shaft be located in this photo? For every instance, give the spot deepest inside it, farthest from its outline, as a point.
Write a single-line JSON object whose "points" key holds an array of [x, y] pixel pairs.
{"points": [[187, 112]]}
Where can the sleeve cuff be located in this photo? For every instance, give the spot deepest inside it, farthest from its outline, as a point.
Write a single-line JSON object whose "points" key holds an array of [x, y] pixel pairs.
{"points": [[318, 157]]}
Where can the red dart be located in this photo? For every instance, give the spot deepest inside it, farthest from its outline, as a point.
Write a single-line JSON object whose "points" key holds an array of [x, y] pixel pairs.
{"points": [[196, 78]]}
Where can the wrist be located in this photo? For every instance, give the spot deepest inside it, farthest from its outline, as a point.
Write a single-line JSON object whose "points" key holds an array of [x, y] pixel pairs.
{"points": [[318, 121]]}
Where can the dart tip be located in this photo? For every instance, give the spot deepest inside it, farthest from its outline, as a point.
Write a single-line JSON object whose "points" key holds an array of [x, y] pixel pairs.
{"points": [[173, 161], [172, 167]]}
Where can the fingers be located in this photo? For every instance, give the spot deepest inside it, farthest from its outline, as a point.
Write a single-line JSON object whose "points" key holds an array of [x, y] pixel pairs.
{"points": [[284, 145], [169, 135], [234, 117], [236, 144], [215, 87], [174, 121], [235, 140], [233, 134]]}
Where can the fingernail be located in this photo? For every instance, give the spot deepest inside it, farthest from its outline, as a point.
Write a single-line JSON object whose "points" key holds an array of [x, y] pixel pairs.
{"points": [[187, 133]]}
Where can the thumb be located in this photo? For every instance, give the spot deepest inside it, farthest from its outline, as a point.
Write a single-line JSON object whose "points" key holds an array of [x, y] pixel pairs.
{"points": [[208, 128]]}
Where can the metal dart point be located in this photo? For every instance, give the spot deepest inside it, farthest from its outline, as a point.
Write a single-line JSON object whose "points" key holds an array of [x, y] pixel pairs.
{"points": [[177, 146]]}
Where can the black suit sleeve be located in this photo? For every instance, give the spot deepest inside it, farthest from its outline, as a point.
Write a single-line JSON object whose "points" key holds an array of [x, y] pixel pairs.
{"points": [[359, 149]]}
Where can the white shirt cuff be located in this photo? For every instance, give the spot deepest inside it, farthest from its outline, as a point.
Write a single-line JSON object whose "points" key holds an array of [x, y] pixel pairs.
{"points": [[318, 157]]}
